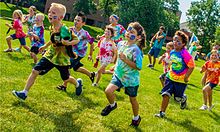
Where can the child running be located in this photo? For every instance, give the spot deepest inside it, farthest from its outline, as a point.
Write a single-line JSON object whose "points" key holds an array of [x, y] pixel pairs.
{"points": [[165, 60], [80, 48], [30, 19], [56, 55], [37, 36], [107, 52], [178, 76], [126, 73], [212, 71], [19, 34]]}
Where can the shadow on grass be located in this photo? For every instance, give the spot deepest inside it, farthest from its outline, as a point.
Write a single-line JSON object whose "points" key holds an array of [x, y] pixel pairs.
{"points": [[190, 84], [63, 122], [85, 101], [215, 116], [15, 58], [186, 124]]}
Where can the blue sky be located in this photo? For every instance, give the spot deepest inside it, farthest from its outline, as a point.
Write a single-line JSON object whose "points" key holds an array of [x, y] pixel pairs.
{"points": [[184, 6]]}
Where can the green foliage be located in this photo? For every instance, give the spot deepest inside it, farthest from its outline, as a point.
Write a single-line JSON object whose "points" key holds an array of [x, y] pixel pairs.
{"points": [[203, 18], [107, 6], [86, 6]]}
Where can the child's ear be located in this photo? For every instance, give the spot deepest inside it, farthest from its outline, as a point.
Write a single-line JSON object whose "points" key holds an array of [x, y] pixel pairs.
{"points": [[61, 17], [139, 38]]}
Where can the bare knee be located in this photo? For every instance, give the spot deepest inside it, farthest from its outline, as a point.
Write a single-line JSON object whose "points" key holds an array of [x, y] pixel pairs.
{"points": [[8, 38], [35, 72]]}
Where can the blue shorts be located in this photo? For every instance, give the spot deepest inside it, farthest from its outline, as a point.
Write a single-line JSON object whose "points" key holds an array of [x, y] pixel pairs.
{"points": [[154, 52], [75, 63], [130, 90], [175, 88], [22, 40], [34, 49], [212, 85], [44, 65]]}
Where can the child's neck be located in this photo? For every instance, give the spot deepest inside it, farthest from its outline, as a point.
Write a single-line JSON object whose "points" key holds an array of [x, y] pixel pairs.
{"points": [[130, 43], [78, 28], [113, 24], [107, 38], [39, 24], [56, 26]]}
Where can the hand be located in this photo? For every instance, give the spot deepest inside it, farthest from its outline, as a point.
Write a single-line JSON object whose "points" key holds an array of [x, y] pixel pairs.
{"points": [[90, 58], [122, 56], [112, 60], [150, 44], [36, 38], [41, 49], [186, 79]]}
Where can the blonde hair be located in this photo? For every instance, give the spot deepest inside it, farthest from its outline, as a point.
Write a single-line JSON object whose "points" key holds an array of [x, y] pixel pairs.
{"points": [[19, 13], [170, 44], [40, 15], [61, 8]]}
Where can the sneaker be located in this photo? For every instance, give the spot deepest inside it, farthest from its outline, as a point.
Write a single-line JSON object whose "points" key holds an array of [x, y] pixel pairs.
{"points": [[8, 50], [203, 107], [19, 95], [79, 88], [92, 78], [160, 115], [61, 87], [95, 84], [210, 107], [17, 50], [108, 109], [183, 102], [136, 123]]}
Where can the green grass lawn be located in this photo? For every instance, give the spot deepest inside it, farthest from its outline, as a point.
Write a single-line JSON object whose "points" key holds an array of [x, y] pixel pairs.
{"points": [[47, 109]]}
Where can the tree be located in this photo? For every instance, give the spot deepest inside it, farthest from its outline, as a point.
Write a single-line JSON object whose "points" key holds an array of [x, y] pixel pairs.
{"points": [[203, 18], [86, 6], [108, 7]]}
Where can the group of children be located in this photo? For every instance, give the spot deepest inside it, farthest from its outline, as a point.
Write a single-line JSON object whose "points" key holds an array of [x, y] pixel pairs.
{"points": [[126, 53]]}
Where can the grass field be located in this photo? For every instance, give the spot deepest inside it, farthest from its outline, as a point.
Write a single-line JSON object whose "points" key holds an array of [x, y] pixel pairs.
{"points": [[47, 109]]}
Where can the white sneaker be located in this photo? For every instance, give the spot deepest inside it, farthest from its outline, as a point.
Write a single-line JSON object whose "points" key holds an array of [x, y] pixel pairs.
{"points": [[210, 108], [204, 107], [95, 84]]}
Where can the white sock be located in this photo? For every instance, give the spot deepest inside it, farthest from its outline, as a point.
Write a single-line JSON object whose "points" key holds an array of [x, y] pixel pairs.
{"points": [[25, 92], [136, 117], [77, 84], [112, 105]]}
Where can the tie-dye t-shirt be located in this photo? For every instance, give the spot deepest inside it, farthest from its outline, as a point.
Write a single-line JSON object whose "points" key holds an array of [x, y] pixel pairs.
{"points": [[58, 54], [213, 71], [119, 32], [17, 26], [84, 38], [127, 75], [39, 31], [30, 23], [180, 63]]}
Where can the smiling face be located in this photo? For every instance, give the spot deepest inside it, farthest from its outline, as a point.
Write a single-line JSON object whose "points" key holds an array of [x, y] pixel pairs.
{"points": [[53, 15], [113, 20], [78, 22], [214, 56], [178, 43], [31, 11], [15, 15]]}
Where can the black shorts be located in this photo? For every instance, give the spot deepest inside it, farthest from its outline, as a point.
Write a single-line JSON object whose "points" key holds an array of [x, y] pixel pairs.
{"points": [[75, 63], [35, 49], [44, 65]]}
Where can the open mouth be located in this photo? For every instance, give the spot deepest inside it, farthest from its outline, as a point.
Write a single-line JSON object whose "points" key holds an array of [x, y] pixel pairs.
{"points": [[50, 18]]}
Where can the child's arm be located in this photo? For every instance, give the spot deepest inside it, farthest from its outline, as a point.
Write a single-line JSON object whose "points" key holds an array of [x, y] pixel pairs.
{"points": [[153, 39], [115, 54], [42, 48], [9, 25], [188, 73], [204, 79], [127, 61], [161, 58], [91, 51]]}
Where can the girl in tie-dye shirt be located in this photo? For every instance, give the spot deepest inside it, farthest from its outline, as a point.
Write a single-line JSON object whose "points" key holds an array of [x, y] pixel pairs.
{"points": [[182, 65], [211, 80], [127, 68]]}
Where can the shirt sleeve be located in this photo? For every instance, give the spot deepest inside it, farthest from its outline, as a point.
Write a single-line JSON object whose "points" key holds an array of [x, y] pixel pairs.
{"points": [[90, 39], [188, 59], [138, 57], [15, 24]]}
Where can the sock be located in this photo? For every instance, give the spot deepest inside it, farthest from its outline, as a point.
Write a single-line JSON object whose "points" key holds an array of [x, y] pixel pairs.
{"points": [[25, 92], [77, 84], [136, 117], [112, 105]]}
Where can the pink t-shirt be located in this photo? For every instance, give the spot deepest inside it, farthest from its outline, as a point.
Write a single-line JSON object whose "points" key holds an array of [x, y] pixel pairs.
{"points": [[17, 26]]}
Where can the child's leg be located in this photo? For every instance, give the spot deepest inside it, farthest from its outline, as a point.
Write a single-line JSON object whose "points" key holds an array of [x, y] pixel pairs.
{"points": [[209, 95], [100, 72], [135, 105], [34, 56], [165, 102], [71, 80], [149, 57], [84, 71], [8, 39], [26, 47], [109, 92], [31, 79], [205, 94], [154, 61]]}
